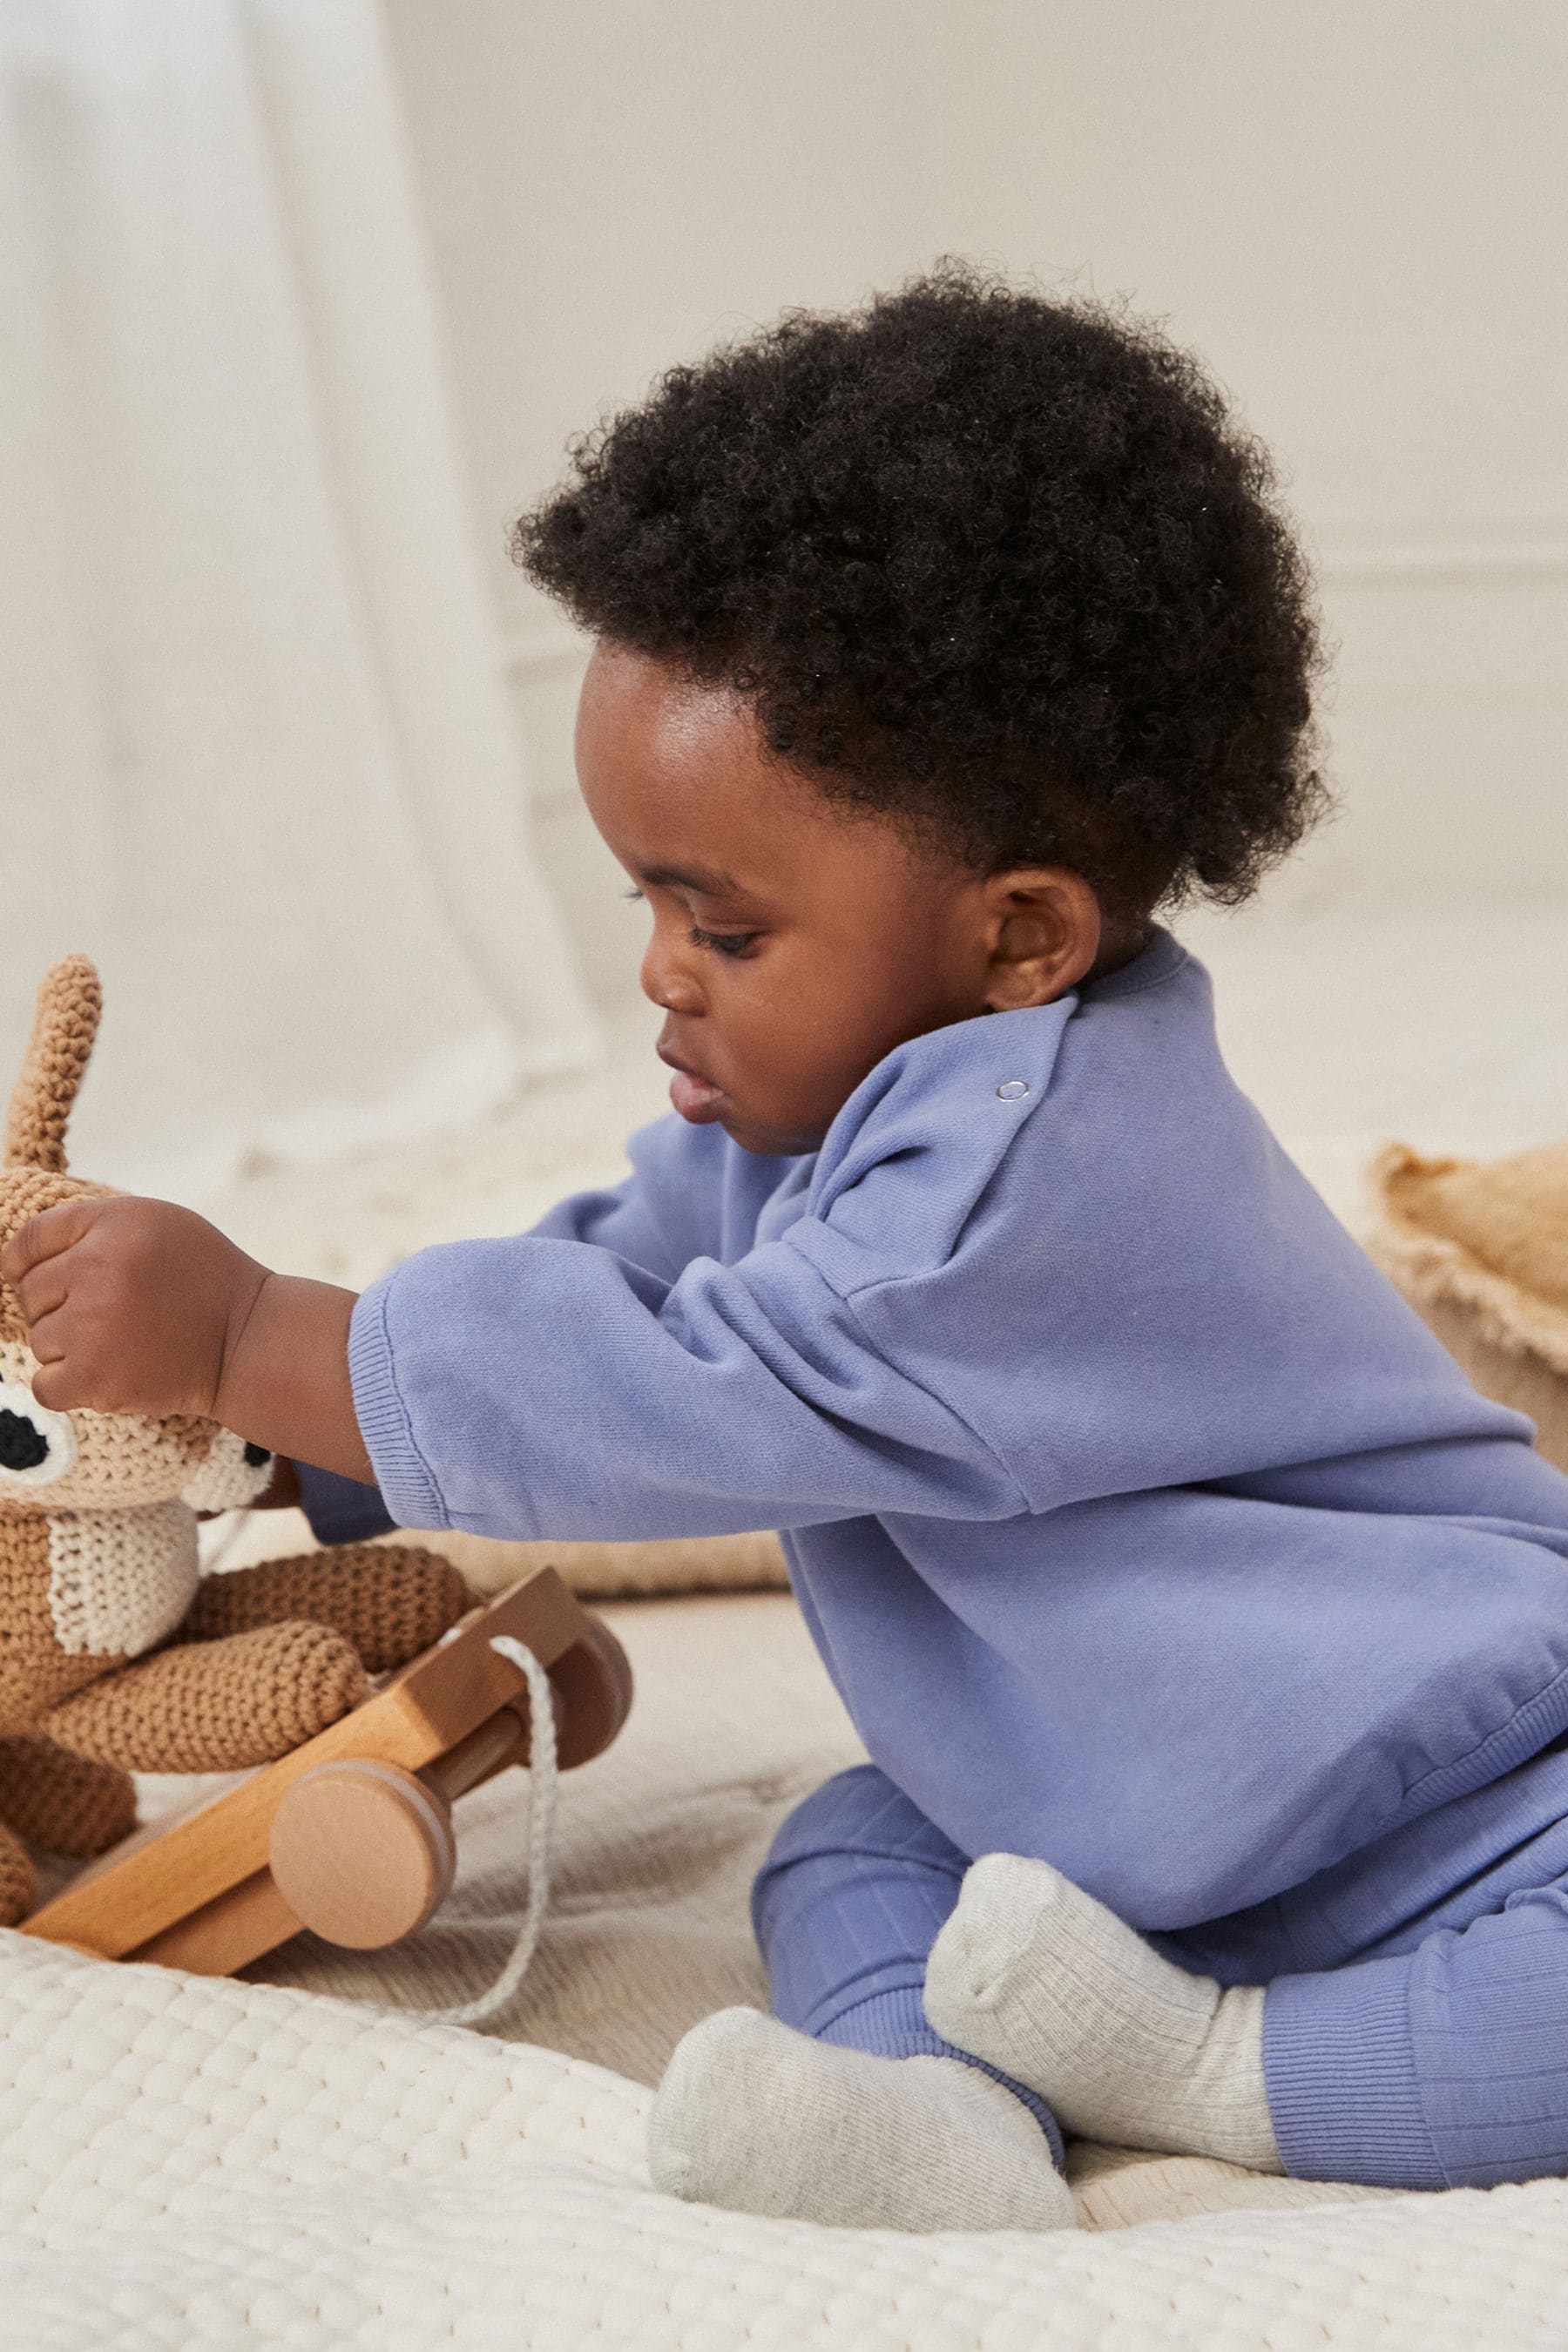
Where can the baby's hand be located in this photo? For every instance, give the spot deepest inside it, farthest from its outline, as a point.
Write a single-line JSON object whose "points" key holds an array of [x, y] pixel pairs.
{"points": [[132, 1306], [138, 1306]]}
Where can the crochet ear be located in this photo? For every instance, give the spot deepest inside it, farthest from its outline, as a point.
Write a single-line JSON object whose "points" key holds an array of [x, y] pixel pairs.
{"points": [[64, 1027], [230, 1475]]}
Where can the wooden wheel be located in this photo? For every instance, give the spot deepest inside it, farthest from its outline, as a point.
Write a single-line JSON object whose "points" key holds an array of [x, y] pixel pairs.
{"points": [[592, 1686], [361, 1853]]}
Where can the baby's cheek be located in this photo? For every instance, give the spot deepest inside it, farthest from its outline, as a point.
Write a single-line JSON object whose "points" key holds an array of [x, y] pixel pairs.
{"points": [[780, 1076]]}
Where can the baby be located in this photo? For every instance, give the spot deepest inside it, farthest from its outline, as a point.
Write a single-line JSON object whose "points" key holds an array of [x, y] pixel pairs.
{"points": [[1163, 1559]]}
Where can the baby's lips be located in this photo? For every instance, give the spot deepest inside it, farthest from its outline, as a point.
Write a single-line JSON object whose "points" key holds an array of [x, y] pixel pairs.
{"points": [[696, 1099]]}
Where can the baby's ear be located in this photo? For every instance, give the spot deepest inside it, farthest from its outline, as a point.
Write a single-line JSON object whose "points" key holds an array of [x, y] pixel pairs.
{"points": [[1046, 930], [233, 1474]]}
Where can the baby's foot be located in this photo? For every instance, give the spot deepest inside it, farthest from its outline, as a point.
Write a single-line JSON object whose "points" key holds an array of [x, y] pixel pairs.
{"points": [[757, 2117], [1039, 1979]]}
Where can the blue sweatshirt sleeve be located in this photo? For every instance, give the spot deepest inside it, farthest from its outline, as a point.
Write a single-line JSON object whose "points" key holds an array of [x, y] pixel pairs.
{"points": [[670, 1209], [536, 1388], [657, 1218]]}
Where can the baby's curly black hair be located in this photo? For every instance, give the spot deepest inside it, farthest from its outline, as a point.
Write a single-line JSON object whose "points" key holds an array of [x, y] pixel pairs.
{"points": [[999, 564]]}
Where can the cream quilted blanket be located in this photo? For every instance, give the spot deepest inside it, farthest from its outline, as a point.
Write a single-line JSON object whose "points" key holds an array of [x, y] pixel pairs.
{"points": [[186, 2163]]}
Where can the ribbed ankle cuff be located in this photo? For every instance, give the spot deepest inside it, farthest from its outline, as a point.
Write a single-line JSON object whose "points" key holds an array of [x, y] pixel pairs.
{"points": [[1339, 2073], [893, 2024]]}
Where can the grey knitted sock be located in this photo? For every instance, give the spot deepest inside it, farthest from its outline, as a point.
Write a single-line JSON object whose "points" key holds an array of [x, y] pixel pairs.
{"points": [[757, 2117], [1039, 1979]]}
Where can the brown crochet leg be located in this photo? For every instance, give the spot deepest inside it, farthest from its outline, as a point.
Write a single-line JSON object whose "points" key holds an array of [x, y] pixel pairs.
{"points": [[65, 1803], [215, 1707], [390, 1601], [17, 1880]]}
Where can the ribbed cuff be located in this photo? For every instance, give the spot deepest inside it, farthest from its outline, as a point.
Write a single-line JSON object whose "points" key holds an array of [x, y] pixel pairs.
{"points": [[893, 2025], [1340, 2072], [402, 1473]]}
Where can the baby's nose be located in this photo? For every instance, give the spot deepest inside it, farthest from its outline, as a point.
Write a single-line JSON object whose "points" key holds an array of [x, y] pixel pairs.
{"points": [[666, 981]]}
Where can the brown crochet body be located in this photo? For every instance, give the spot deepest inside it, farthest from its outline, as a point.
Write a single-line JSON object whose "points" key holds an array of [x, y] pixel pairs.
{"points": [[113, 1657]]}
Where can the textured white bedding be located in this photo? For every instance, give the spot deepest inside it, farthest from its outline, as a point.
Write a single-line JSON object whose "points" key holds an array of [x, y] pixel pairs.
{"points": [[191, 2163], [186, 2163]]}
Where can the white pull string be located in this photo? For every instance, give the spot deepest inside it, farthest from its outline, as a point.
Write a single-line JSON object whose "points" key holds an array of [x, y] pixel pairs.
{"points": [[543, 1784]]}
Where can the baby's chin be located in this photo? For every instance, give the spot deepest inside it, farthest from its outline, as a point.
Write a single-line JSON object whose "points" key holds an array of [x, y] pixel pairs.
{"points": [[703, 1104], [767, 1143]]}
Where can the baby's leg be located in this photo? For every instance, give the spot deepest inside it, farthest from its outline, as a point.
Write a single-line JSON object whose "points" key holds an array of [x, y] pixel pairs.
{"points": [[846, 2108], [1036, 1976], [1445, 2066]]}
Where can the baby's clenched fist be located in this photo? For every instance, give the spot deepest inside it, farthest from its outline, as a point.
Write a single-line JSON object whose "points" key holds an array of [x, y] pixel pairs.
{"points": [[132, 1306]]}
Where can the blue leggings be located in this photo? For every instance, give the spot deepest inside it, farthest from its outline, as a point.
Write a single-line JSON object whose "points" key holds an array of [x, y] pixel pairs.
{"points": [[1423, 2044]]}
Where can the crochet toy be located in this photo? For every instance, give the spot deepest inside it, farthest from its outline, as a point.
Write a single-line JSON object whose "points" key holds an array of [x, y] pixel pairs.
{"points": [[1482, 1252], [115, 1657]]}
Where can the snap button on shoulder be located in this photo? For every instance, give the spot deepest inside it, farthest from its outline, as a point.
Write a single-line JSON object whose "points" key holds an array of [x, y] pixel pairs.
{"points": [[1012, 1090]]}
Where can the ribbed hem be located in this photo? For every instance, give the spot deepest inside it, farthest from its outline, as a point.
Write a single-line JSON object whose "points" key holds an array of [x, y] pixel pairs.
{"points": [[409, 1491], [893, 2025], [886, 2024], [1339, 2073]]}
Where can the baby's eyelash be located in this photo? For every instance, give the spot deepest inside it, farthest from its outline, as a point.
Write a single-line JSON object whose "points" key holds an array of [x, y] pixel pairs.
{"points": [[727, 943]]}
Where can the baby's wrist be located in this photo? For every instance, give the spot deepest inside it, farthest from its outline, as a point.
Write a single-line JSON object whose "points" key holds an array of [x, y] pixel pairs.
{"points": [[284, 1381]]}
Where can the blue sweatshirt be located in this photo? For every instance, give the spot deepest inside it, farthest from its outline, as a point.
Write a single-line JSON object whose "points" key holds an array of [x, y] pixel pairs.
{"points": [[1139, 1523]]}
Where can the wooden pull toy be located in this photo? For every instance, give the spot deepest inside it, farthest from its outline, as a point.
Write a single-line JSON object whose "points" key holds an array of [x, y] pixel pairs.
{"points": [[117, 1656], [351, 1836]]}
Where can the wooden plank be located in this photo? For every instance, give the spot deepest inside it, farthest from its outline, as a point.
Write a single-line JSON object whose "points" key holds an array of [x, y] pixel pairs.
{"points": [[130, 1898], [225, 1934]]}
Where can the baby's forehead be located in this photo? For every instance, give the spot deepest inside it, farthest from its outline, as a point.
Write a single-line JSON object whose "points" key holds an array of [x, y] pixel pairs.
{"points": [[644, 726], [687, 794]]}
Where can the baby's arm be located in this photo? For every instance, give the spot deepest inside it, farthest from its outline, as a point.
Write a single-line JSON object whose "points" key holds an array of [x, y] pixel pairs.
{"points": [[136, 1306], [542, 1385]]}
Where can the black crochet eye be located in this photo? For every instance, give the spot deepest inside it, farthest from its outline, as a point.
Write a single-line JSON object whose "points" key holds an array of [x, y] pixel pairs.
{"points": [[254, 1455], [23, 1445]]}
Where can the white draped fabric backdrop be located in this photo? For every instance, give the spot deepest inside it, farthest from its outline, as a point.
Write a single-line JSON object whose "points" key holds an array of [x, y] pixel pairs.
{"points": [[256, 754]]}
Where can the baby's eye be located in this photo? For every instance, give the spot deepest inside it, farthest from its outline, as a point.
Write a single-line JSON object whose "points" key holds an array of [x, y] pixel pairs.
{"points": [[726, 943]]}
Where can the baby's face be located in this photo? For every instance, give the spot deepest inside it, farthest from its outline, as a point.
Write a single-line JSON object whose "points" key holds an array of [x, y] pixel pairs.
{"points": [[794, 944]]}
